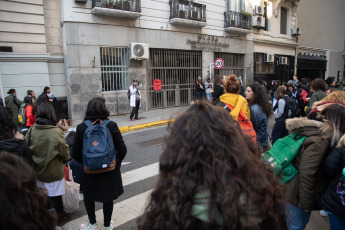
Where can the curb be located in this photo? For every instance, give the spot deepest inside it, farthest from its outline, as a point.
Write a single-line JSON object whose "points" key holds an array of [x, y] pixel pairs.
{"points": [[126, 129]]}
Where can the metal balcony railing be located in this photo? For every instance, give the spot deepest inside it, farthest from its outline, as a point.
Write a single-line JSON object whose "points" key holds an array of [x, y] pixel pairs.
{"points": [[187, 10], [127, 5], [236, 19]]}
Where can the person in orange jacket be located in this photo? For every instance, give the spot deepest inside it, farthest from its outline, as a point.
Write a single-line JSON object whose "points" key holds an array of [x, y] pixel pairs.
{"points": [[30, 111]]}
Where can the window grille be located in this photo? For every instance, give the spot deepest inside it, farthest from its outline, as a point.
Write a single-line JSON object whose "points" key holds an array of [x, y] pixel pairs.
{"points": [[114, 68], [233, 64]]}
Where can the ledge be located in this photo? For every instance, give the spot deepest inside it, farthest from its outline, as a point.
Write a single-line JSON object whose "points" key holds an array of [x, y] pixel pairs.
{"points": [[238, 31], [24, 57], [115, 13], [187, 22]]}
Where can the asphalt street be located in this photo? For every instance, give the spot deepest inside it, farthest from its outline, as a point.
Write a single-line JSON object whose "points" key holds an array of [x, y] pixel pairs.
{"points": [[139, 172]]}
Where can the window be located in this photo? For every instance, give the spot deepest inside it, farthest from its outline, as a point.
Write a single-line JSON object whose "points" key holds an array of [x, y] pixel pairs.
{"points": [[114, 68], [233, 64], [235, 5], [283, 20], [262, 67]]}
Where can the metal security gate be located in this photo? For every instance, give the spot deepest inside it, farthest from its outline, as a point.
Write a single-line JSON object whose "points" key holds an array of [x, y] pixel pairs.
{"points": [[178, 70], [233, 64]]}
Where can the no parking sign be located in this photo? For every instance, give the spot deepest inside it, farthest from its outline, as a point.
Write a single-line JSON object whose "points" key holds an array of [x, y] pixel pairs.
{"points": [[218, 63]]}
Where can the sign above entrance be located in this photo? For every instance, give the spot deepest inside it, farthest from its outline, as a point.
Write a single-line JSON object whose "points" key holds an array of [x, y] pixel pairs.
{"points": [[218, 63], [207, 43]]}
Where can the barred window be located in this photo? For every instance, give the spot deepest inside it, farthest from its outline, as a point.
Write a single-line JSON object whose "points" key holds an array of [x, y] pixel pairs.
{"points": [[233, 64], [114, 68]]}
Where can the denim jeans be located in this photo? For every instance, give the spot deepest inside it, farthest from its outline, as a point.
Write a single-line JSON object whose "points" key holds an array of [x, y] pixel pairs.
{"points": [[208, 96], [336, 222], [199, 95], [297, 218]]}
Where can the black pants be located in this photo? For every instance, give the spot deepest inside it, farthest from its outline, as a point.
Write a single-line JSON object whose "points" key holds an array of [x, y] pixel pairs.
{"points": [[135, 110], [57, 203], [107, 211], [279, 131]]}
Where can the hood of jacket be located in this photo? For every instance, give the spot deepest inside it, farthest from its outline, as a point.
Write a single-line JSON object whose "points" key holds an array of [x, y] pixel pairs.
{"points": [[12, 145], [303, 126]]}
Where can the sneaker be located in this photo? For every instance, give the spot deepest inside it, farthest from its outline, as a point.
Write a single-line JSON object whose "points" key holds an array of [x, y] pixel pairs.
{"points": [[130, 119], [323, 213], [137, 119], [88, 226], [111, 227]]}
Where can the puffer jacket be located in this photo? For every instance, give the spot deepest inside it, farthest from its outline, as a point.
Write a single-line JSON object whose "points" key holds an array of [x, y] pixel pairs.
{"points": [[49, 151], [13, 103], [334, 164], [238, 102], [306, 188]]}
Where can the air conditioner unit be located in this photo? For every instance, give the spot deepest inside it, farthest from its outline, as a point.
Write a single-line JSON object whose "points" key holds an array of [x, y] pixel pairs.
{"points": [[259, 10], [269, 58], [296, 31], [283, 61], [139, 51], [258, 21]]}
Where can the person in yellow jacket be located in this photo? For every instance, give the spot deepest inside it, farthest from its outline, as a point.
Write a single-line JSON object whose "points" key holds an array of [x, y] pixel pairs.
{"points": [[232, 97]]}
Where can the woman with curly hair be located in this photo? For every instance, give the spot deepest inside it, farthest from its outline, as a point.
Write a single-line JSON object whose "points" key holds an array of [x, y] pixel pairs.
{"points": [[23, 204], [232, 97], [336, 97], [319, 88], [260, 111], [212, 178]]}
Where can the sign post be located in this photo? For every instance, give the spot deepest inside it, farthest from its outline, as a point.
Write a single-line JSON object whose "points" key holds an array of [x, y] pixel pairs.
{"points": [[218, 63]]}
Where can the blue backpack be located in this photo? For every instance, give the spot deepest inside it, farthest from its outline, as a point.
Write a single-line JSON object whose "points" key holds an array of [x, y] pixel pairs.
{"points": [[99, 154]]}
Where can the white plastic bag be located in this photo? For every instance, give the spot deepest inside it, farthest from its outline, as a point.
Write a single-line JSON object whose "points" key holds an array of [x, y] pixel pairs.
{"points": [[71, 197]]}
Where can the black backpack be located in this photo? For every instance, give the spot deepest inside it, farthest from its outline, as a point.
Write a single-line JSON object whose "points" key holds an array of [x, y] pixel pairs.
{"points": [[291, 109]]}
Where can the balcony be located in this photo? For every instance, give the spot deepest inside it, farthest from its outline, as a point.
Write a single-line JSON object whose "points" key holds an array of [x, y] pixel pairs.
{"points": [[237, 23], [187, 13], [117, 8]]}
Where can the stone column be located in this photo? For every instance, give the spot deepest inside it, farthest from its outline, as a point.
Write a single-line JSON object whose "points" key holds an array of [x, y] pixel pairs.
{"points": [[207, 58]]}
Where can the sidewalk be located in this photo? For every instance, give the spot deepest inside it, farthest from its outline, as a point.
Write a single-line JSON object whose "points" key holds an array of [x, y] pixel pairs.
{"points": [[148, 119]]}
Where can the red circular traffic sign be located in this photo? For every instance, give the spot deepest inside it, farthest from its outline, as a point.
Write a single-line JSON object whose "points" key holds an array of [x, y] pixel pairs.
{"points": [[218, 63]]}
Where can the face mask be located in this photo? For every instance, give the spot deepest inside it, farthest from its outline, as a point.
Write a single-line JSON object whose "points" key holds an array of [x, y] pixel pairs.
{"points": [[136, 83]]}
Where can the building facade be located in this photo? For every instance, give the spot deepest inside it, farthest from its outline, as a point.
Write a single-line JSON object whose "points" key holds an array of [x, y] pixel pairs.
{"points": [[88, 48], [321, 47]]}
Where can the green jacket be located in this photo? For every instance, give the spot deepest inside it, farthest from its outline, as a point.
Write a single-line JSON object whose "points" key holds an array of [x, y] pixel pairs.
{"points": [[13, 103], [49, 151], [316, 96]]}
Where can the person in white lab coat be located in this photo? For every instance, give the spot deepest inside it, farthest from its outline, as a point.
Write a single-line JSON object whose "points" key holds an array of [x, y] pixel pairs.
{"points": [[134, 100]]}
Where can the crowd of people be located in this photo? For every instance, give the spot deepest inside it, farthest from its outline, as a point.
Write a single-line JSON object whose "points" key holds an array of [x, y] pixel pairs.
{"points": [[212, 175]]}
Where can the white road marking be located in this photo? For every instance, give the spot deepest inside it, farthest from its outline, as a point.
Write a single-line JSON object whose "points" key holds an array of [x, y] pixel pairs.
{"points": [[123, 212], [140, 174], [125, 163]]}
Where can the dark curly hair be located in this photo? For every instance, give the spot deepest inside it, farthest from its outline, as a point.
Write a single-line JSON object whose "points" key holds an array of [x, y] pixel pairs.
{"points": [[97, 108], [206, 151], [318, 84], [23, 204], [231, 84], [7, 126], [260, 98]]}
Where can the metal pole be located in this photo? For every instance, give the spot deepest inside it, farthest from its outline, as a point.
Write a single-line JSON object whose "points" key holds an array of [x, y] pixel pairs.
{"points": [[2, 91]]}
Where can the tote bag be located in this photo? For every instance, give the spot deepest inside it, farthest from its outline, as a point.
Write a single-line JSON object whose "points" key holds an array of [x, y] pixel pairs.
{"points": [[71, 197]]}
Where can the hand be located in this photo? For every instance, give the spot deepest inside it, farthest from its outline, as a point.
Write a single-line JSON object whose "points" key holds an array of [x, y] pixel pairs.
{"points": [[51, 100], [307, 98]]}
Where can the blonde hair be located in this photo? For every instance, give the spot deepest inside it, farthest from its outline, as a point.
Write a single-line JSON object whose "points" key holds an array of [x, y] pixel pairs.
{"points": [[231, 84], [336, 96]]}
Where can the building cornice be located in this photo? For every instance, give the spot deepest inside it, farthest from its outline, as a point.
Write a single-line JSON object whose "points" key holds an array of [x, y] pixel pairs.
{"points": [[30, 57], [294, 45]]}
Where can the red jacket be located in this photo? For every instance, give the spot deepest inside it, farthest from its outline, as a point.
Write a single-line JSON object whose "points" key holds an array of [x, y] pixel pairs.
{"points": [[30, 115]]}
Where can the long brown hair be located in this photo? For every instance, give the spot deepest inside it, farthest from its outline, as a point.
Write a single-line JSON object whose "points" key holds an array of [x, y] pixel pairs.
{"points": [[206, 150], [260, 98]]}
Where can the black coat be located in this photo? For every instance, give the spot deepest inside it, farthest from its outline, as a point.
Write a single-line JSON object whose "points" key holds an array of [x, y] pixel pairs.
{"points": [[102, 187], [217, 92], [19, 148], [334, 164]]}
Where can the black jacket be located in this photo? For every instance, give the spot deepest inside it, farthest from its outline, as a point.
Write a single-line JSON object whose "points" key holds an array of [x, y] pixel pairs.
{"points": [[217, 92], [19, 148], [334, 164], [103, 187]]}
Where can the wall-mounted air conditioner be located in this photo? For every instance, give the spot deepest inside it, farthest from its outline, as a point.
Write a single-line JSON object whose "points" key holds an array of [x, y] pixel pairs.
{"points": [[283, 60], [139, 51], [258, 21], [259, 10], [296, 31], [269, 58]]}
